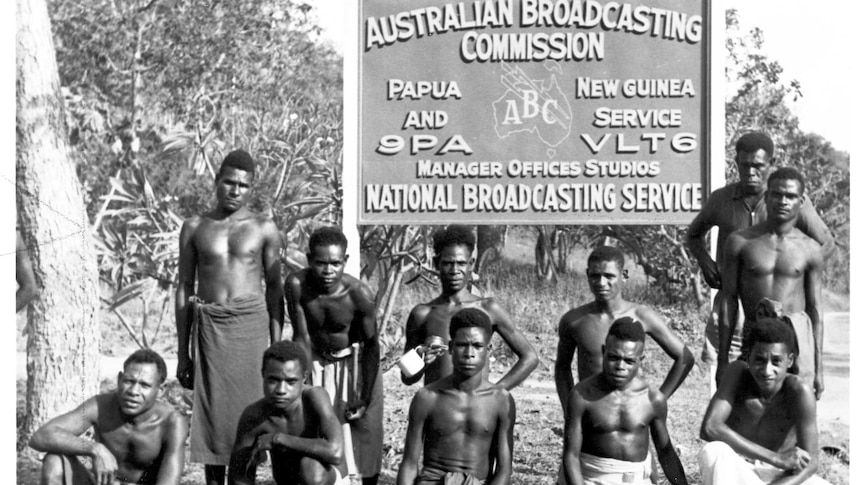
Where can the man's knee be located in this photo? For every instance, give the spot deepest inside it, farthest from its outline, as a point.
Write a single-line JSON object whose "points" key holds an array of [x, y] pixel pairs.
{"points": [[60, 470], [713, 453], [312, 472]]}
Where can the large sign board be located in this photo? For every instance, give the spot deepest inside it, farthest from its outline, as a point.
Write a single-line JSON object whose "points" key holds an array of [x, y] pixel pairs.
{"points": [[532, 111]]}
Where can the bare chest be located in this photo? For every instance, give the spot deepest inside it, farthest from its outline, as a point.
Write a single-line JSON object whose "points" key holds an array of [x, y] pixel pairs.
{"points": [[782, 258], [463, 415], [136, 448], [612, 414], [330, 314], [218, 242]]}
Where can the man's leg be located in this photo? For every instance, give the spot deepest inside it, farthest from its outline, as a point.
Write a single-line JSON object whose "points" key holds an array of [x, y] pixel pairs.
{"points": [[214, 474], [312, 472], [720, 465], [64, 470]]}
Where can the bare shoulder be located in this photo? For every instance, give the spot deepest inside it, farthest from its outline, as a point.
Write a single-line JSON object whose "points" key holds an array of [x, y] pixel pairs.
{"points": [[357, 288], [266, 225], [317, 396], [420, 311], [296, 281], [573, 318], [797, 390], [494, 310], [648, 316], [191, 225], [171, 418], [656, 397]]}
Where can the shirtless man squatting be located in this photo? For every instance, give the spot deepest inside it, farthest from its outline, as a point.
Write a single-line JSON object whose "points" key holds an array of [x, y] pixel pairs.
{"points": [[136, 438], [294, 422], [761, 424]]}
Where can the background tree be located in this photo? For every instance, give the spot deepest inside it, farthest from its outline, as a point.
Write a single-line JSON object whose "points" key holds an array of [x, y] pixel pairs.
{"points": [[63, 326]]}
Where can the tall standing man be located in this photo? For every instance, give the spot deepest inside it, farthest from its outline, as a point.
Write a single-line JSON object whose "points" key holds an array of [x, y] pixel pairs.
{"points": [[738, 206], [453, 259], [227, 320], [333, 317], [775, 260]]}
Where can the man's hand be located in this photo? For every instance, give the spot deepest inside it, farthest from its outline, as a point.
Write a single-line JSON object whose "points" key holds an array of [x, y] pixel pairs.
{"points": [[186, 373], [711, 274], [431, 352], [818, 385], [355, 410], [793, 460], [104, 465], [262, 444]]}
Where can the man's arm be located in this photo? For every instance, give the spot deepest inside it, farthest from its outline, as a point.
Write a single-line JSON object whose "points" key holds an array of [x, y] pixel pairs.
{"points": [[414, 336], [185, 288], [173, 450], [813, 282], [328, 450], [813, 226], [366, 315], [272, 278], [661, 439], [806, 435], [413, 439], [61, 436], [729, 302], [504, 439], [243, 462], [293, 289], [715, 428], [527, 358], [566, 347], [696, 242], [673, 346], [573, 439], [27, 290]]}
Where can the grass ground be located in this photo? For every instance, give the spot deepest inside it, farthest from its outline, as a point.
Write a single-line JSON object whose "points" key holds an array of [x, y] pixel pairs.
{"points": [[536, 308]]}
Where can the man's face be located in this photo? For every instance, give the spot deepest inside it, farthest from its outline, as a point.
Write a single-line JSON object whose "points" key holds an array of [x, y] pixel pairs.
{"points": [[469, 351], [605, 279], [783, 200], [282, 382], [233, 187], [753, 170], [327, 265], [455, 267], [621, 360], [138, 387], [768, 364]]}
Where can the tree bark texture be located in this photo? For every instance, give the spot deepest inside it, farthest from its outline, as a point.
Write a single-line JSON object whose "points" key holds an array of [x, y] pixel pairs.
{"points": [[63, 329]]}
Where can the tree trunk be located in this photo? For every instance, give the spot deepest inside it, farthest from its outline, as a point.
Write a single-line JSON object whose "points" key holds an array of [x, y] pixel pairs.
{"points": [[490, 242], [63, 339]]}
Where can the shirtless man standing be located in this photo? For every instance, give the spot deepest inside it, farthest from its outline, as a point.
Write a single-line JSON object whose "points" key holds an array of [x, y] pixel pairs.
{"points": [[293, 421], [584, 329], [333, 316], [453, 259], [607, 441], [762, 423], [462, 423], [136, 438], [227, 322], [736, 206], [775, 260]]}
